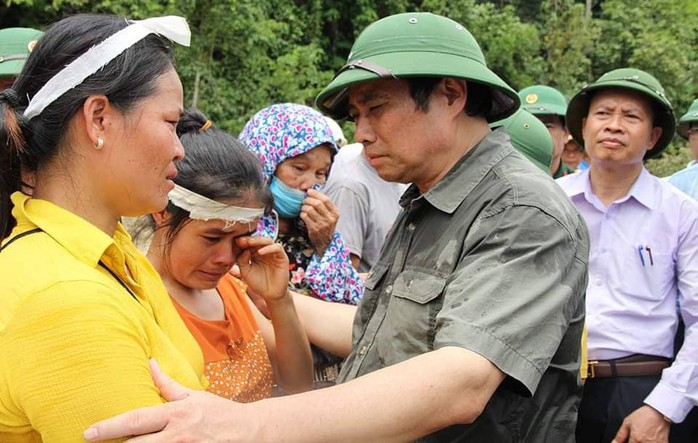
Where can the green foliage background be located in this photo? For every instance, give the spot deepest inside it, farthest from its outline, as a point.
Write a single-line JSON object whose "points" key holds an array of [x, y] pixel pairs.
{"points": [[247, 54]]}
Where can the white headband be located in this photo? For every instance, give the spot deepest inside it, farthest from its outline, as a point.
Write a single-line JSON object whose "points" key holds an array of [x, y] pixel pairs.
{"points": [[202, 208], [173, 27]]}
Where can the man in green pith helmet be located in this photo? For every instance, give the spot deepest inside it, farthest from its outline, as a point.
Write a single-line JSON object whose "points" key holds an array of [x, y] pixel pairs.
{"points": [[550, 106], [470, 326], [687, 179], [688, 129], [643, 263], [15, 46], [530, 137]]}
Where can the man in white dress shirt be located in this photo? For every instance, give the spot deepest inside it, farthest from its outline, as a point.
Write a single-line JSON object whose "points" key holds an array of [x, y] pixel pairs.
{"points": [[643, 264]]}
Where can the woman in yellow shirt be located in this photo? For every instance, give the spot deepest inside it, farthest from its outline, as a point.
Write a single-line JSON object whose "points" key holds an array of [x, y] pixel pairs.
{"points": [[91, 119]]}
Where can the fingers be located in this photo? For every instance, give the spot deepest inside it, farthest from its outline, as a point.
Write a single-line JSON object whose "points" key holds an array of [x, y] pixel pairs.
{"points": [[274, 248], [137, 422], [248, 241], [314, 193], [317, 207], [235, 271], [170, 390], [144, 420], [623, 433], [257, 246], [246, 256], [244, 263]]}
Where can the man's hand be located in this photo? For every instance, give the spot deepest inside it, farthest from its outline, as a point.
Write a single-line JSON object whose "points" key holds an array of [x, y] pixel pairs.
{"points": [[320, 216], [190, 416], [644, 425]]}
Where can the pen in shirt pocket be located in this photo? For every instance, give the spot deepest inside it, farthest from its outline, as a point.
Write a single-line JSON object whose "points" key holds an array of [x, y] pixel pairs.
{"points": [[640, 250]]}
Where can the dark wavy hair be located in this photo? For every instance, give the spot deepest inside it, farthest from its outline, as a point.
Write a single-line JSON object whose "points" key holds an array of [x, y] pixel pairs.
{"points": [[127, 79], [479, 102], [217, 166]]}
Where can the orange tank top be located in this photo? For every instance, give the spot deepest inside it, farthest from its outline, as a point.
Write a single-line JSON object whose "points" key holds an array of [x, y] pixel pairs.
{"points": [[236, 362]]}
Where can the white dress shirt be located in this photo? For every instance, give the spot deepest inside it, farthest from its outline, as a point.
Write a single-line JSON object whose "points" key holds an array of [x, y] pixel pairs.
{"points": [[643, 261]]}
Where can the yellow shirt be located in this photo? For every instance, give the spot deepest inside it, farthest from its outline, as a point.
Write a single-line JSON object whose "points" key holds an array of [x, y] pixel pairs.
{"points": [[75, 344]]}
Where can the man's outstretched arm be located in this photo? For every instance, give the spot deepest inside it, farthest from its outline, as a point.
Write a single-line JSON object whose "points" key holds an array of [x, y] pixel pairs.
{"points": [[395, 404]]}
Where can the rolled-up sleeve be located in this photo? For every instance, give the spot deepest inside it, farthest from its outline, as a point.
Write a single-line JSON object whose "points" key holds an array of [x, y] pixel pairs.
{"points": [[515, 292]]}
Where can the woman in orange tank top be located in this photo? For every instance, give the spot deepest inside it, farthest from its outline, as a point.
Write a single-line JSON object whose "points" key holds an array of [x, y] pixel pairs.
{"points": [[219, 195]]}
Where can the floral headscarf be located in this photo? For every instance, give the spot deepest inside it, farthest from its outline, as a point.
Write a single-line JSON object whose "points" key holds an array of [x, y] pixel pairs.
{"points": [[283, 131], [287, 130]]}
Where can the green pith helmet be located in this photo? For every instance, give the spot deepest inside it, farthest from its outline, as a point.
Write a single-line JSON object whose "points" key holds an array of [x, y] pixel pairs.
{"points": [[530, 137], [415, 45], [543, 100], [626, 78], [15, 46], [691, 116]]}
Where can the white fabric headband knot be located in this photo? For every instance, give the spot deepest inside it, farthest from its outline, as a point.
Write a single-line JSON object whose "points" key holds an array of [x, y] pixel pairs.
{"points": [[203, 208], [173, 27]]}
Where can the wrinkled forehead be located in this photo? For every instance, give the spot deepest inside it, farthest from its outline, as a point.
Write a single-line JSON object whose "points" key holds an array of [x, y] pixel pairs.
{"points": [[320, 156], [625, 98], [382, 88]]}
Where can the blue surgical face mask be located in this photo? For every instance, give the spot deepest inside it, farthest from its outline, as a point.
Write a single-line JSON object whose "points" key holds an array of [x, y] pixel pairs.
{"points": [[287, 200]]}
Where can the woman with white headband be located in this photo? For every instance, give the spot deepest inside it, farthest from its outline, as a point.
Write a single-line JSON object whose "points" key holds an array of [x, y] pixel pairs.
{"points": [[220, 194], [93, 116]]}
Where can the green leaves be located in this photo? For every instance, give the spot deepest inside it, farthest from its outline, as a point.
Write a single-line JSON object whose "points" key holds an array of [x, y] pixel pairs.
{"points": [[247, 54]]}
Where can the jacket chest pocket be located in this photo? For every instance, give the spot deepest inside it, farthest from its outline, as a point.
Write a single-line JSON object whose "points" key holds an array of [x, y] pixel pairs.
{"points": [[414, 304], [418, 287]]}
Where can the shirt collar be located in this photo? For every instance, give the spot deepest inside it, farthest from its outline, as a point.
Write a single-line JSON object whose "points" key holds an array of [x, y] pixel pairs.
{"points": [[466, 174], [578, 184], [642, 190], [82, 239]]}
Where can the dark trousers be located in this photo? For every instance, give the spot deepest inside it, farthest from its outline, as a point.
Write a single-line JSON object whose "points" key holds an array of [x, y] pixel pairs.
{"points": [[607, 401]]}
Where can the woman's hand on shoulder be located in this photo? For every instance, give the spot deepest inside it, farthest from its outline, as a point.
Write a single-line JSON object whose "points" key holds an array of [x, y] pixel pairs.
{"points": [[320, 216]]}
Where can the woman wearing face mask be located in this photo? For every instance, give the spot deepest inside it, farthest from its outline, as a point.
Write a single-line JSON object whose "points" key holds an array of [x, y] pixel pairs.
{"points": [[296, 147], [219, 195]]}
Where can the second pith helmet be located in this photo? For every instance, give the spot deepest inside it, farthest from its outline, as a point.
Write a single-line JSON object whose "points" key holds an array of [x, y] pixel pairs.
{"points": [[543, 100], [691, 116]]}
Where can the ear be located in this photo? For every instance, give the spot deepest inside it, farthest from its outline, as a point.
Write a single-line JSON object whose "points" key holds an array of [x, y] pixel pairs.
{"points": [[455, 91], [161, 218], [96, 113], [654, 137]]}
